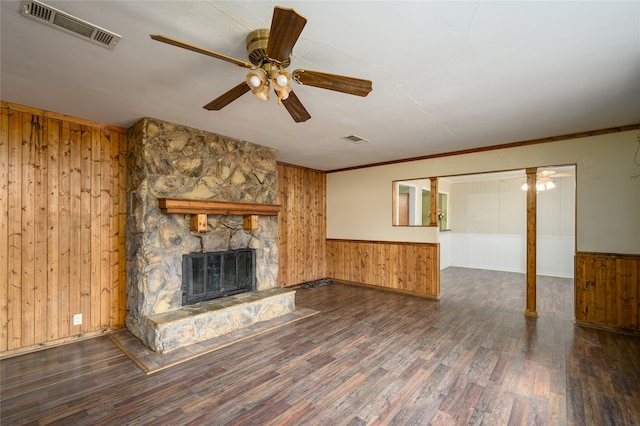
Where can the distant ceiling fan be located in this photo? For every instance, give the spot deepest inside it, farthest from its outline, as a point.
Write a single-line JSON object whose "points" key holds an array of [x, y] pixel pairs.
{"points": [[544, 181], [269, 55]]}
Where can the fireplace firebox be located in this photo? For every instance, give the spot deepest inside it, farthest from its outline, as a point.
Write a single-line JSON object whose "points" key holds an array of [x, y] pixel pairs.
{"points": [[208, 276]]}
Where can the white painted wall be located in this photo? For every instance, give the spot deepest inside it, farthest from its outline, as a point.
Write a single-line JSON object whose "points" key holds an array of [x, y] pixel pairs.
{"points": [[499, 252], [608, 197], [502, 252]]}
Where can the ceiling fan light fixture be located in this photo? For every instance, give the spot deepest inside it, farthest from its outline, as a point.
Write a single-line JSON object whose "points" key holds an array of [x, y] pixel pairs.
{"points": [[254, 81], [281, 84], [542, 184], [257, 78], [281, 80], [261, 93], [258, 81]]}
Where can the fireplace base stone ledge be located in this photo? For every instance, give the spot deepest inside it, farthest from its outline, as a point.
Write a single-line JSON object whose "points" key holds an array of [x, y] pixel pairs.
{"points": [[203, 321]]}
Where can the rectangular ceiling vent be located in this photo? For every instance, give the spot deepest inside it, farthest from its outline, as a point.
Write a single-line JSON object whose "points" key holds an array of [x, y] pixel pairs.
{"points": [[63, 21], [355, 139]]}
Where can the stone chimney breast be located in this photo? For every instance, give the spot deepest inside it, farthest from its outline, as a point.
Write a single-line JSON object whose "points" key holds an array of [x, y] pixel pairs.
{"points": [[168, 160]]}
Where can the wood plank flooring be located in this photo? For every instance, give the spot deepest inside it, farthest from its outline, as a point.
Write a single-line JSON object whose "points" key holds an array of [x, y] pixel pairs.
{"points": [[369, 357]]}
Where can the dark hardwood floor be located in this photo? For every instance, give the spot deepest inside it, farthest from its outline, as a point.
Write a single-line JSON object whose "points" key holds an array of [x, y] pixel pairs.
{"points": [[369, 357]]}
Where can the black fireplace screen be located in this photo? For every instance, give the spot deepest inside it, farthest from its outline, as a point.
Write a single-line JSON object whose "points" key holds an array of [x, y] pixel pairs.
{"points": [[207, 276]]}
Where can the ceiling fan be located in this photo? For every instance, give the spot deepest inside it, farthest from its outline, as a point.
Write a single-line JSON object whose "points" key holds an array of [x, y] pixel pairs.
{"points": [[544, 181], [269, 53]]}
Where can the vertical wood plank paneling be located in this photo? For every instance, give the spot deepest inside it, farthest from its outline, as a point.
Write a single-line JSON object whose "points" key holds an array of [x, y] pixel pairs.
{"points": [[422, 266], [77, 273], [39, 128], [403, 267], [609, 284], [65, 225], [106, 224], [114, 231], [634, 293], [600, 291], [638, 293], [627, 279], [109, 227], [433, 258], [121, 308], [96, 221], [399, 275], [579, 288], [282, 199], [4, 231], [63, 212], [14, 196], [301, 225], [299, 213], [53, 229], [28, 283], [607, 290], [590, 285]]}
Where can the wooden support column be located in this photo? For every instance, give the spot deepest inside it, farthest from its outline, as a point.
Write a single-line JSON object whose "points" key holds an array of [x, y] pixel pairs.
{"points": [[433, 214], [532, 200]]}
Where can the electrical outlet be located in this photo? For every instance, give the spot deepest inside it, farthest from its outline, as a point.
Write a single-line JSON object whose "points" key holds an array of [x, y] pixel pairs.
{"points": [[77, 319]]}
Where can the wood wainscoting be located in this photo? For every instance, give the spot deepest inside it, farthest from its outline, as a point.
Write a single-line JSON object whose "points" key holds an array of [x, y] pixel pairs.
{"points": [[302, 225], [62, 220], [607, 291], [410, 268]]}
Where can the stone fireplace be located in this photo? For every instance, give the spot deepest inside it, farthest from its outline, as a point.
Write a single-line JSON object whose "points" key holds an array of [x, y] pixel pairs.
{"points": [[167, 160]]}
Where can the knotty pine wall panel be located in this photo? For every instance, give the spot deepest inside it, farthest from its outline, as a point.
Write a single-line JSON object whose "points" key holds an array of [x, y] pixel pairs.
{"points": [[301, 225], [62, 221], [607, 291], [412, 268]]}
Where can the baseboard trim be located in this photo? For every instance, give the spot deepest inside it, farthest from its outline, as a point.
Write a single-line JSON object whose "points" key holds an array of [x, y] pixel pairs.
{"points": [[52, 344], [609, 328], [387, 289]]}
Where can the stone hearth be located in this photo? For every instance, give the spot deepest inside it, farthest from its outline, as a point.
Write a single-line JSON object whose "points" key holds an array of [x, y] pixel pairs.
{"points": [[172, 161], [206, 320]]}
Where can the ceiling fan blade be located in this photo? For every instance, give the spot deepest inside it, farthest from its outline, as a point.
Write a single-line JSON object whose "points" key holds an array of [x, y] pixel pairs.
{"points": [[295, 108], [227, 97], [286, 26], [197, 49], [339, 83]]}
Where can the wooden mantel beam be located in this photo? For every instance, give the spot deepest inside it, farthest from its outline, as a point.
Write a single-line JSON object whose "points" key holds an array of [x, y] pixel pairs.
{"points": [[177, 205]]}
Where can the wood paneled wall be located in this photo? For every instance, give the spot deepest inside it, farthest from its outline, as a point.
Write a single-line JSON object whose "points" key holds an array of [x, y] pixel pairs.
{"points": [[302, 228], [62, 221], [412, 268], [607, 291]]}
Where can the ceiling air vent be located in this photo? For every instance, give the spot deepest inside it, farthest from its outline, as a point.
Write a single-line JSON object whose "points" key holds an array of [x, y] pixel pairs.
{"points": [[63, 21], [355, 139]]}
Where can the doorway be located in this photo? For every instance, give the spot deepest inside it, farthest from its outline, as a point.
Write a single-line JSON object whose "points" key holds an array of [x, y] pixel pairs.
{"points": [[487, 217]]}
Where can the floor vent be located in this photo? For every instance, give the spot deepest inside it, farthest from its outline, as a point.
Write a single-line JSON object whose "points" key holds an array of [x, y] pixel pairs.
{"points": [[63, 21], [356, 139]]}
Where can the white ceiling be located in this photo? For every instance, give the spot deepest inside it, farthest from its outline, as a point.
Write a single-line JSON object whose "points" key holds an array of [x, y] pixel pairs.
{"points": [[447, 76]]}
